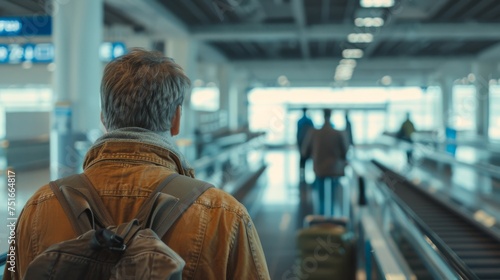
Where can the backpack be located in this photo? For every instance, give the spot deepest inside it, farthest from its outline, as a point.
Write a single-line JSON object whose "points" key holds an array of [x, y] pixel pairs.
{"points": [[103, 250]]}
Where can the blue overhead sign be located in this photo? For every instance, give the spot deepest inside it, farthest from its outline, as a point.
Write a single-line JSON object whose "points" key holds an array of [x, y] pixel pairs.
{"points": [[15, 53], [25, 26], [44, 53], [111, 50]]}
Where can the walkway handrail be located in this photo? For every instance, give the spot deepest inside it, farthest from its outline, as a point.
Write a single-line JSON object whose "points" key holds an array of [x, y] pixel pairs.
{"points": [[388, 261], [439, 246], [207, 161]]}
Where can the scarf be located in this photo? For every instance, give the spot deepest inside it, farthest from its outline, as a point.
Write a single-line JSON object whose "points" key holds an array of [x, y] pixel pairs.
{"points": [[141, 135]]}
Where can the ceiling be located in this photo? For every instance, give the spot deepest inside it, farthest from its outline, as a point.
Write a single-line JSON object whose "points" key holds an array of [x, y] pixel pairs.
{"points": [[304, 32]]}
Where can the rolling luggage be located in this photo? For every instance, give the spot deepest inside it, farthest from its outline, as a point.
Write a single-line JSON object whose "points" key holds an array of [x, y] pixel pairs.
{"points": [[325, 249]]}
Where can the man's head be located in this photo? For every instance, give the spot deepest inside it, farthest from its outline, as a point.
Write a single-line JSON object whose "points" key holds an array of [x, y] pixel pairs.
{"points": [[407, 115], [304, 110], [143, 89], [327, 113]]}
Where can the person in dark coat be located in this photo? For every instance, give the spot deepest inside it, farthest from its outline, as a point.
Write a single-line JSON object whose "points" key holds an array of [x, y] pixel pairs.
{"points": [[303, 126], [328, 150]]}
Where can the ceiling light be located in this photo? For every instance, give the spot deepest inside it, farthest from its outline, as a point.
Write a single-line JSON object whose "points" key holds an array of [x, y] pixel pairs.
{"points": [[198, 83], [342, 76], [471, 77], [343, 72], [352, 53], [348, 62], [283, 81], [369, 22], [377, 3], [360, 38], [386, 80]]}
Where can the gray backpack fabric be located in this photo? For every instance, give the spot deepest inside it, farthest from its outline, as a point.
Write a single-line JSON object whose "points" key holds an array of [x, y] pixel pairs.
{"points": [[103, 250]]}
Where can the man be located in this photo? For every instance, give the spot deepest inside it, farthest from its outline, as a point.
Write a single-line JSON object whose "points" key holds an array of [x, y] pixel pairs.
{"points": [[303, 126], [348, 129], [405, 133], [328, 150], [141, 97]]}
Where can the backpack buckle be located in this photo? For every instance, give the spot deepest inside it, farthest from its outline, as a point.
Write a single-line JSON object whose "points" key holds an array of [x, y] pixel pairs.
{"points": [[105, 238]]}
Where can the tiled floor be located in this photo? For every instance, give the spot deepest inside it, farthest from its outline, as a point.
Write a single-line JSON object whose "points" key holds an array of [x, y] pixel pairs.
{"points": [[284, 204]]}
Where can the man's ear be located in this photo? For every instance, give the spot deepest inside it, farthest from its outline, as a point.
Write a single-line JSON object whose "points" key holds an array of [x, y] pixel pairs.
{"points": [[176, 122]]}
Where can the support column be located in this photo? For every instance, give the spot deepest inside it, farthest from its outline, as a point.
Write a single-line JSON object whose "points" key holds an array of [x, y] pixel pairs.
{"points": [[446, 84], [483, 72], [185, 51], [77, 37], [228, 97], [242, 85]]}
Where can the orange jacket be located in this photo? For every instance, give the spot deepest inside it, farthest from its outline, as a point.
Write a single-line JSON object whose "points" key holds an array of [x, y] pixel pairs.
{"points": [[215, 236]]}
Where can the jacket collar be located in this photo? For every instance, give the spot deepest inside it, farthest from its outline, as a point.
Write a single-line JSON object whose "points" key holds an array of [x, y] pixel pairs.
{"points": [[134, 143]]}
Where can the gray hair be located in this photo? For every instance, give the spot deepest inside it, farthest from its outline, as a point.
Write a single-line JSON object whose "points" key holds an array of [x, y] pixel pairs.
{"points": [[142, 89]]}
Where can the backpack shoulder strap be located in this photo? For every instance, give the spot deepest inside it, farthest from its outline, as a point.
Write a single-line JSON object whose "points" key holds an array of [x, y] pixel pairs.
{"points": [[170, 199], [81, 203]]}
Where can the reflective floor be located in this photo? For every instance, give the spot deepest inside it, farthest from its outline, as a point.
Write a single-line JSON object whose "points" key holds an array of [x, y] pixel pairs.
{"points": [[27, 182], [284, 204]]}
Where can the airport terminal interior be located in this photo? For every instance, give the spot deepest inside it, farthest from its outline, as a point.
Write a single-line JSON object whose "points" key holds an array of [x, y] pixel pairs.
{"points": [[419, 207]]}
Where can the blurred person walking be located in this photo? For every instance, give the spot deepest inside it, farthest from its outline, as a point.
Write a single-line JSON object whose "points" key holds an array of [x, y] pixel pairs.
{"points": [[348, 129], [328, 150], [405, 133], [304, 125]]}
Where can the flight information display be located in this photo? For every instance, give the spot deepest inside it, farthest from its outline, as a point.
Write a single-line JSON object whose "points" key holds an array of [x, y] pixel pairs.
{"points": [[25, 26], [44, 52]]}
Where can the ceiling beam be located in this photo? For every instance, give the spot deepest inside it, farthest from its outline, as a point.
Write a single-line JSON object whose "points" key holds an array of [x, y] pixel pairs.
{"points": [[154, 16], [436, 7], [410, 32], [370, 50], [349, 11], [299, 13], [195, 10], [325, 15], [160, 22], [477, 8], [491, 53], [15, 8], [454, 9], [491, 13], [399, 63]]}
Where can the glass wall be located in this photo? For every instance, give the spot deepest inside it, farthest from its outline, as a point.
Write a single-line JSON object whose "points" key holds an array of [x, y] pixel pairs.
{"points": [[26, 98], [33, 99], [423, 105], [494, 130], [371, 110], [464, 108]]}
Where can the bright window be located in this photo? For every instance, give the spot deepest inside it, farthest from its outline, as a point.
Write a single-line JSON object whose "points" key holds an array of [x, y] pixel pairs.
{"points": [[26, 98], [464, 108], [494, 112], [205, 99], [35, 99], [371, 110]]}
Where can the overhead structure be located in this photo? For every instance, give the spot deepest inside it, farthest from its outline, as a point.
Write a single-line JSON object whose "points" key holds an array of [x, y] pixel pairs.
{"points": [[305, 32]]}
